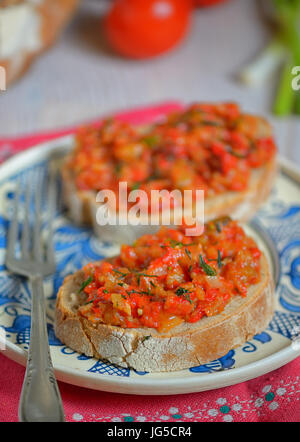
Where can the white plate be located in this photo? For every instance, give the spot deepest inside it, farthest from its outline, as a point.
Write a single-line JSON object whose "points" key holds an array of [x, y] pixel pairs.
{"points": [[277, 229]]}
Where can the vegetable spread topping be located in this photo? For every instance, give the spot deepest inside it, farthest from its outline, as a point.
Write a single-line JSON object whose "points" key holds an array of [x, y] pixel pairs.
{"points": [[165, 279], [212, 147]]}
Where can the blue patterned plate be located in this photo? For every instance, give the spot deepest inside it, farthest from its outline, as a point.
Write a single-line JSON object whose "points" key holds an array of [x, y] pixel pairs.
{"points": [[277, 229]]}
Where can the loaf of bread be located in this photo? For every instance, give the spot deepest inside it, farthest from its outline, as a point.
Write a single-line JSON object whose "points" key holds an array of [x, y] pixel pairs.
{"points": [[27, 28]]}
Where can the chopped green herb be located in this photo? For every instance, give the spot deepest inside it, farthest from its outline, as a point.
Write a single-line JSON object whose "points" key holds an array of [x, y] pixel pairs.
{"points": [[221, 222], [210, 271], [151, 140], [236, 154], [185, 293], [145, 338], [210, 123], [181, 290], [174, 243], [89, 302], [149, 276], [118, 168], [105, 291], [85, 283], [188, 253], [135, 186], [219, 260], [139, 274], [122, 274], [139, 292]]}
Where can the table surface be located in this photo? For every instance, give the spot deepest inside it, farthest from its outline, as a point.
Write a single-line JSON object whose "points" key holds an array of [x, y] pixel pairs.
{"points": [[80, 79]]}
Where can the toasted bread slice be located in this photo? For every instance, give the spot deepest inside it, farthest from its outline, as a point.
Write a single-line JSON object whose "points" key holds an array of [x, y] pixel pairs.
{"points": [[184, 346], [82, 205]]}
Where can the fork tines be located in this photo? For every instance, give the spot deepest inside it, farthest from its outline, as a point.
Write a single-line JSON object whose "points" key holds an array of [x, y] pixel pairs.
{"points": [[28, 207]]}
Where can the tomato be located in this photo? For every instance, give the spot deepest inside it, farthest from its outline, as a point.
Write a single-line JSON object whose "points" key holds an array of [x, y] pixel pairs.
{"points": [[140, 29], [208, 2]]}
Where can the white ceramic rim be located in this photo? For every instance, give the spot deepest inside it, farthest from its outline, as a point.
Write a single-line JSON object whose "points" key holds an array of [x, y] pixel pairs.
{"points": [[144, 385]]}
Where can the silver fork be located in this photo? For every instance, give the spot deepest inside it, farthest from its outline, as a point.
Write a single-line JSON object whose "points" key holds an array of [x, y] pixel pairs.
{"points": [[40, 399]]}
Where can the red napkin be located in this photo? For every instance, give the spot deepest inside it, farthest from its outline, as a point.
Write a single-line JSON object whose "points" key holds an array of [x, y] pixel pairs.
{"points": [[274, 397]]}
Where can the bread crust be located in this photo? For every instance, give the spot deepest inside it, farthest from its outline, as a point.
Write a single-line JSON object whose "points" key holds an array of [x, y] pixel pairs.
{"points": [[54, 14], [184, 346], [242, 206]]}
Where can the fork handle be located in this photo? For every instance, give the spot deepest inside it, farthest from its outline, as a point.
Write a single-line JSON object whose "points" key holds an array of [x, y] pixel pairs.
{"points": [[40, 398]]}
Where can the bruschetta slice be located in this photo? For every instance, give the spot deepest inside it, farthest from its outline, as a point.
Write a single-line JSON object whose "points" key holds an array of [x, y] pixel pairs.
{"points": [[216, 148], [169, 302]]}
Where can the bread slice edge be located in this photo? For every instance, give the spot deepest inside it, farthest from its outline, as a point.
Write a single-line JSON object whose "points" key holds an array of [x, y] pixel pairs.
{"points": [[242, 206]]}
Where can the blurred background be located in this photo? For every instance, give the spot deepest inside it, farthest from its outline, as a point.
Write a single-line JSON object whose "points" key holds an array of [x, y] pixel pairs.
{"points": [[107, 56]]}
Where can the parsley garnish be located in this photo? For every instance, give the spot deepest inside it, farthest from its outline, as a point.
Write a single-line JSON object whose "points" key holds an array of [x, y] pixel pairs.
{"points": [[85, 284], [210, 271]]}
